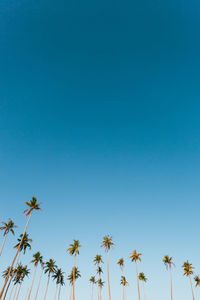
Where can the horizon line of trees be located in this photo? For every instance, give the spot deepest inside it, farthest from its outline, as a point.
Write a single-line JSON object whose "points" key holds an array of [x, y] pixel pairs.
{"points": [[16, 273]]}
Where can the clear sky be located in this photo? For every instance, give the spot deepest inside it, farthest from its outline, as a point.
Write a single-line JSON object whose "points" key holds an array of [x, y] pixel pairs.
{"points": [[99, 119]]}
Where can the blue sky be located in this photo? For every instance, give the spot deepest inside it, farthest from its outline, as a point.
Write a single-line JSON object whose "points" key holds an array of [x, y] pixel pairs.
{"points": [[99, 119]]}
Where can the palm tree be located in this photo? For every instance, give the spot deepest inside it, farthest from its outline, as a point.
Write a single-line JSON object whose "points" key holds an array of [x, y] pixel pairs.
{"points": [[7, 227], [61, 283], [41, 272], [107, 243], [136, 258], [50, 268], [24, 272], [32, 205], [188, 271], [168, 263], [143, 278], [37, 258], [75, 274], [58, 276], [100, 284], [124, 283], [197, 280], [121, 264], [93, 282], [74, 250], [4, 275], [97, 261]]}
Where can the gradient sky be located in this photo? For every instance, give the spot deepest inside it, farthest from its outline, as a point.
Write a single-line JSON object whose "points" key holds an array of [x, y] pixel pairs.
{"points": [[99, 119]]}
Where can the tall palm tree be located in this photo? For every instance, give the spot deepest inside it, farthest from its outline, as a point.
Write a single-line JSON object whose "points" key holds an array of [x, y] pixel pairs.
{"points": [[169, 263], [7, 227], [121, 264], [107, 244], [197, 280], [136, 258], [73, 276], [41, 272], [188, 271], [124, 283], [93, 282], [32, 205], [50, 268], [58, 276], [100, 284], [37, 258], [143, 278], [74, 250]]}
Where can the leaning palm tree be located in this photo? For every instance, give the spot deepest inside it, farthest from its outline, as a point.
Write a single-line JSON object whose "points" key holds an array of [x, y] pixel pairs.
{"points": [[197, 280], [32, 205], [93, 282], [169, 263], [4, 275], [107, 243], [50, 268], [136, 258], [58, 276], [37, 258], [41, 272], [188, 271], [24, 272], [143, 278], [124, 283], [100, 284], [74, 250], [121, 264], [7, 227]]}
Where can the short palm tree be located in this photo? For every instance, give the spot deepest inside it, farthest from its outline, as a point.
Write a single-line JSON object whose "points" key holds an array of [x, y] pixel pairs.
{"points": [[197, 280], [121, 264], [188, 271], [7, 227], [93, 282], [74, 250], [169, 263], [100, 284], [32, 206], [124, 283], [61, 283], [143, 278], [24, 272], [50, 269], [58, 276], [107, 244], [37, 258], [97, 261], [41, 272], [136, 258]]}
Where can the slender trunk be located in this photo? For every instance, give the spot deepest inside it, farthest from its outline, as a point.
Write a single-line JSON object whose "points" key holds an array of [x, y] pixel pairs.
{"points": [[192, 288], [32, 282], [123, 292], [170, 269], [38, 285], [6, 280], [15, 292], [4, 297], [137, 280], [100, 292], [47, 287], [19, 291], [26, 293], [144, 291], [70, 297], [11, 291], [92, 291], [3, 244], [59, 292], [108, 278], [73, 294], [56, 292]]}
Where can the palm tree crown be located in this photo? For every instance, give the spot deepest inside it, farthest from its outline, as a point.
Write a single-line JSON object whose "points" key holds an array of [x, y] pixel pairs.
{"points": [[197, 280], [8, 227], [58, 276], [135, 256], [50, 267], [74, 248], [142, 277], [92, 280], [75, 271], [107, 243], [123, 281], [168, 261], [37, 258], [187, 268], [98, 259], [23, 242], [33, 205]]}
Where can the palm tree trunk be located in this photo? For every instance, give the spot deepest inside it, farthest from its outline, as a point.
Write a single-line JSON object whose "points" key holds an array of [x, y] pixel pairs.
{"points": [[3, 244], [26, 293], [4, 297], [47, 287], [123, 292], [192, 288], [137, 280], [144, 291], [11, 291], [73, 294], [19, 291], [38, 285], [92, 291], [171, 280], [70, 297], [59, 292], [108, 278], [15, 292], [32, 282], [56, 292], [6, 280]]}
